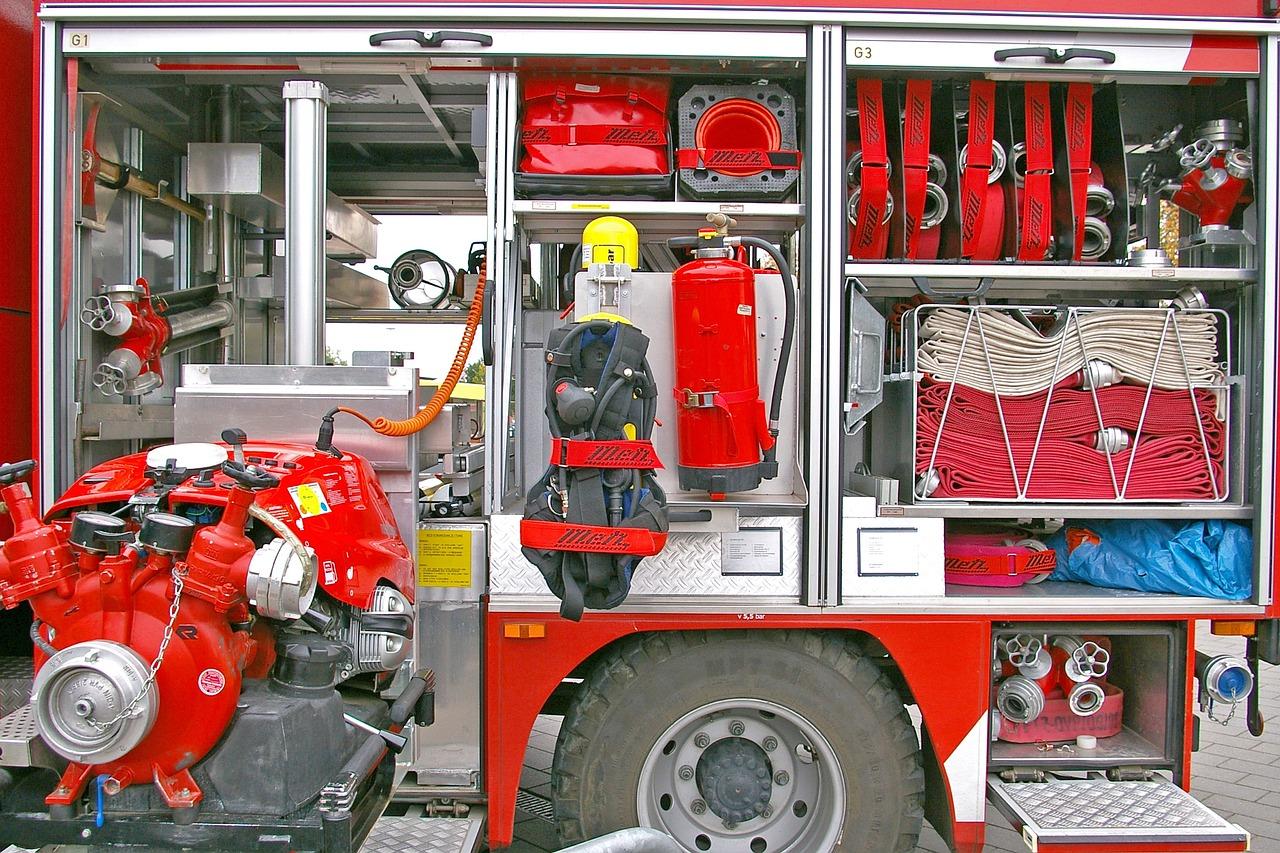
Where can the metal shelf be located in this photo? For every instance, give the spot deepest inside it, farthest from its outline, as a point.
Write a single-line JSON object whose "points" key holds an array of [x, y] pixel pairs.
{"points": [[562, 220], [893, 279], [1067, 510]]}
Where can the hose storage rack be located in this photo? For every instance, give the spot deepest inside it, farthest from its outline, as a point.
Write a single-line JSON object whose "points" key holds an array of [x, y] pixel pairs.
{"points": [[1017, 404]]}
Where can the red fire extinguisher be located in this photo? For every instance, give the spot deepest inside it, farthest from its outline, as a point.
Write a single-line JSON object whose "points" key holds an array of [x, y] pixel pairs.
{"points": [[726, 442]]}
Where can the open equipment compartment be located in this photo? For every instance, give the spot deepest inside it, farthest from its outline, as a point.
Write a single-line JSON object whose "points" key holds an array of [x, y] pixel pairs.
{"points": [[1156, 144], [1140, 725]]}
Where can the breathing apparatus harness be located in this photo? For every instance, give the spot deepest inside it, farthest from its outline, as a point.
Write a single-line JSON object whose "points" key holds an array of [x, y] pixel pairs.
{"points": [[598, 509]]}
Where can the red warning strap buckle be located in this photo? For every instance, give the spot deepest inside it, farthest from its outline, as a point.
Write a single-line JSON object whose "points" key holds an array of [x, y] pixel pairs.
{"points": [[580, 453], [587, 538]]}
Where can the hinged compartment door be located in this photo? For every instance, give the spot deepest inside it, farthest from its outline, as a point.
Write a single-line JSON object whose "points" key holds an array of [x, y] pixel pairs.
{"points": [[1095, 815]]}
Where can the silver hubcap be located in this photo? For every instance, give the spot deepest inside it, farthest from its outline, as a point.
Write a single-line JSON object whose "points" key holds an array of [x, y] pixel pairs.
{"points": [[743, 776]]}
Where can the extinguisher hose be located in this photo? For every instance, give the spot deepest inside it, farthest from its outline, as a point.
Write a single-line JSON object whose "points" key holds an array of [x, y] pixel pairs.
{"points": [[428, 413], [788, 330]]}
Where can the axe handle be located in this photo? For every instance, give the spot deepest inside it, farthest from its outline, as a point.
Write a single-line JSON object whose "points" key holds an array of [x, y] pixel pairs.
{"points": [[109, 173]]}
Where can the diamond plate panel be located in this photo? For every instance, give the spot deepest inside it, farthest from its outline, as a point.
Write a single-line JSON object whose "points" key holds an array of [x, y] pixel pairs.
{"points": [[15, 683], [689, 565], [423, 834], [1116, 805]]}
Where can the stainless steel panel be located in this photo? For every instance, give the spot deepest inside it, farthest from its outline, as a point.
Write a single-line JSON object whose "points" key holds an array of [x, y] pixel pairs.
{"points": [[448, 640], [345, 287], [864, 370], [651, 312], [287, 403], [20, 743], [688, 566], [247, 180]]}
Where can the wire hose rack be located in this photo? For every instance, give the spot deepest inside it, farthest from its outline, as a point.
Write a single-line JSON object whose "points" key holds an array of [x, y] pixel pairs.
{"points": [[1037, 403]]}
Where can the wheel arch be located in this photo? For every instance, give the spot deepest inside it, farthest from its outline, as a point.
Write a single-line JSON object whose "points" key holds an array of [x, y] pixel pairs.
{"points": [[523, 674]]}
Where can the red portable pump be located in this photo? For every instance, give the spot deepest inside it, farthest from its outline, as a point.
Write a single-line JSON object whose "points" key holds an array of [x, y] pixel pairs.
{"points": [[726, 444], [161, 581]]}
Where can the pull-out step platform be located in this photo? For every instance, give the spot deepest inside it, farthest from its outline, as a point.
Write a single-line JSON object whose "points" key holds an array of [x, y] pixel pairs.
{"points": [[426, 834], [1095, 815]]}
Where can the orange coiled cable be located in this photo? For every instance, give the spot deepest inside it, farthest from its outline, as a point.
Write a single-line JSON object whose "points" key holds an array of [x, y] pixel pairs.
{"points": [[428, 413]]}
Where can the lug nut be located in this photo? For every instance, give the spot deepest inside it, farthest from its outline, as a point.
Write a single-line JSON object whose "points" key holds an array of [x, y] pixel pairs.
{"points": [[730, 824], [701, 741], [782, 777], [686, 772], [736, 728], [698, 807], [770, 744], [767, 811]]}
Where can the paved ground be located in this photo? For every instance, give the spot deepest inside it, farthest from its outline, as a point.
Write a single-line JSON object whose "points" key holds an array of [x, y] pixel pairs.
{"points": [[1234, 773]]}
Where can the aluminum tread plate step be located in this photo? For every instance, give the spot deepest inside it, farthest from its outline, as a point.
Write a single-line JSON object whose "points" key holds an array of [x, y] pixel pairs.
{"points": [[425, 835], [19, 738], [1097, 814]]}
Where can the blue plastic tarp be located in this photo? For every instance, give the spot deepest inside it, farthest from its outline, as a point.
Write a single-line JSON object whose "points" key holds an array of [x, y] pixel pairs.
{"points": [[1203, 558]]}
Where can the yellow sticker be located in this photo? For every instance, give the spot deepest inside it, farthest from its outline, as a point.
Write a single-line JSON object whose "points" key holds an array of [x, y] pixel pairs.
{"points": [[444, 558], [591, 205], [309, 499]]}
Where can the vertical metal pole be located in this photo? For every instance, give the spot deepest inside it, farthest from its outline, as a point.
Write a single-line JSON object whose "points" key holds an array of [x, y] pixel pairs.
{"points": [[825, 250], [306, 104]]}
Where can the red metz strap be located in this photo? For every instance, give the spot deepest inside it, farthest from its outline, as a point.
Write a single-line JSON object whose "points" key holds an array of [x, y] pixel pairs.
{"points": [[973, 183], [915, 158], [1023, 562], [1036, 222], [737, 158], [593, 134], [586, 538], [1079, 154], [577, 453], [866, 242]]}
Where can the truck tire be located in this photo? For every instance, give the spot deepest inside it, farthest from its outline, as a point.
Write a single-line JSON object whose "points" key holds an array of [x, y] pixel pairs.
{"points": [[760, 741]]}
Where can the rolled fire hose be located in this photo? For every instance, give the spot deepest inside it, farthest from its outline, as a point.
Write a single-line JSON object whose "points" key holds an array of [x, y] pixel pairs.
{"points": [[429, 412], [968, 459], [992, 351]]}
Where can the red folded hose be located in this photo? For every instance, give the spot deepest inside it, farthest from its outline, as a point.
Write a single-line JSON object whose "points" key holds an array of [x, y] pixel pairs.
{"points": [[971, 460]]}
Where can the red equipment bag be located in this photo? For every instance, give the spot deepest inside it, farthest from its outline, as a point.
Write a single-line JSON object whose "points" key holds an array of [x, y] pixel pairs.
{"points": [[595, 125]]}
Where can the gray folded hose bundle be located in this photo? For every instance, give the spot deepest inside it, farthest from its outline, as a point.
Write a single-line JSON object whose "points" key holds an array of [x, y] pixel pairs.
{"points": [[995, 351]]}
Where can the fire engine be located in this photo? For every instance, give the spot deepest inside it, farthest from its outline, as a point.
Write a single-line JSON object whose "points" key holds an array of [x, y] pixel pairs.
{"points": [[873, 400]]}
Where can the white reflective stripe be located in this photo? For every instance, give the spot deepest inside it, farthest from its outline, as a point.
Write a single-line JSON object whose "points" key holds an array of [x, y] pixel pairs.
{"points": [[966, 772], [1149, 54], [206, 40]]}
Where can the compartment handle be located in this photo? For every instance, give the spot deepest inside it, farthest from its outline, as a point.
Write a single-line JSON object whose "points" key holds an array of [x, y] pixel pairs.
{"points": [[1055, 55], [857, 369], [979, 289], [430, 39]]}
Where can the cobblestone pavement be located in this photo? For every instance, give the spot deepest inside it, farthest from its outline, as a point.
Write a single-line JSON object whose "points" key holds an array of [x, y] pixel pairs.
{"points": [[1233, 773]]}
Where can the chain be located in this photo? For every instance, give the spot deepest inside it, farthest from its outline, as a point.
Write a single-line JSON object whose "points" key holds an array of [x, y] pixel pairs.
{"points": [[150, 681], [1230, 714]]}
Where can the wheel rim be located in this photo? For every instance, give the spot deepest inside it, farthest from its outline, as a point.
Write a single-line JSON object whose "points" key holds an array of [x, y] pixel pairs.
{"points": [[699, 784]]}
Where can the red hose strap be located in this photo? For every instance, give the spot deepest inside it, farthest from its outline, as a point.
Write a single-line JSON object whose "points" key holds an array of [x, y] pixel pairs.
{"points": [[972, 462], [915, 158], [974, 197], [1036, 223], [870, 236], [563, 536], [1079, 154], [579, 453]]}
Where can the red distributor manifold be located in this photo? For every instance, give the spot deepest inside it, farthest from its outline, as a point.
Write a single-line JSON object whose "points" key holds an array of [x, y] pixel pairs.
{"points": [[972, 462]]}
